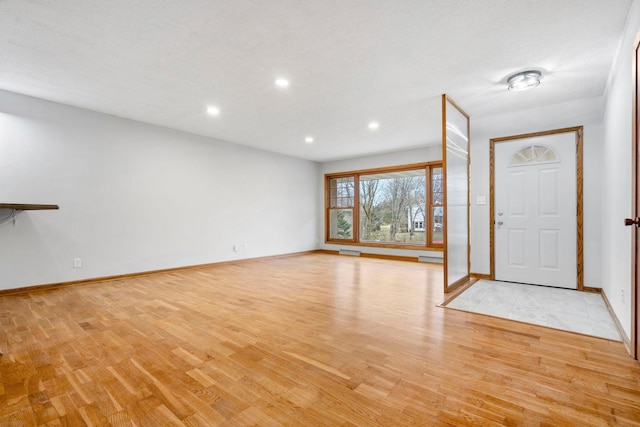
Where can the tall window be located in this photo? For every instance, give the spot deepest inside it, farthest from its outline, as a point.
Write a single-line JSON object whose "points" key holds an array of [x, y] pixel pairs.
{"points": [[436, 208], [341, 205], [398, 207]]}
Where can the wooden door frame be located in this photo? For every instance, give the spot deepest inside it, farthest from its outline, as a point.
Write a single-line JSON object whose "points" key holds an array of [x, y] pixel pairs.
{"points": [[579, 246], [634, 342]]}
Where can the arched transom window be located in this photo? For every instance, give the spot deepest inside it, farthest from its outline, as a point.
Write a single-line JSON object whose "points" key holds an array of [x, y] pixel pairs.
{"points": [[534, 155]]}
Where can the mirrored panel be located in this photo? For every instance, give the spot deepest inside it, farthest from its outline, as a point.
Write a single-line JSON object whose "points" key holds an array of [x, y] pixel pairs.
{"points": [[455, 152]]}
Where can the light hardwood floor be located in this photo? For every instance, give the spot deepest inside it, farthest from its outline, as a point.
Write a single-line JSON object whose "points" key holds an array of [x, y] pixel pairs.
{"points": [[309, 340]]}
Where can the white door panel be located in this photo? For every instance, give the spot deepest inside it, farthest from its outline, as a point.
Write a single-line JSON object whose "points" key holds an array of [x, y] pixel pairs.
{"points": [[548, 202], [535, 205], [517, 249], [517, 191], [549, 251]]}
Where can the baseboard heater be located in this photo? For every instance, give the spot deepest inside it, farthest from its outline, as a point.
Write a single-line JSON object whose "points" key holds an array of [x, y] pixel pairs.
{"points": [[349, 252], [426, 258]]}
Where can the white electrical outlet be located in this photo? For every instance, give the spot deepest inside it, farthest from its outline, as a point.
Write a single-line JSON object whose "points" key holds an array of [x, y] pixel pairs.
{"points": [[236, 248], [622, 295], [77, 262]]}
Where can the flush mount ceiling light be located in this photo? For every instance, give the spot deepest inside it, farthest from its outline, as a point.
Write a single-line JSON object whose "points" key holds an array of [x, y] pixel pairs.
{"points": [[374, 125], [282, 82], [524, 80], [308, 139], [213, 111]]}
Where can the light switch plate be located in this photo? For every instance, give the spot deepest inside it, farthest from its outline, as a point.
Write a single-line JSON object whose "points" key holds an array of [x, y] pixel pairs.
{"points": [[481, 200]]}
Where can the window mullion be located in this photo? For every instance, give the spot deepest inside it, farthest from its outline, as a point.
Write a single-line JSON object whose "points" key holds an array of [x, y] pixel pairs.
{"points": [[356, 208], [429, 207]]}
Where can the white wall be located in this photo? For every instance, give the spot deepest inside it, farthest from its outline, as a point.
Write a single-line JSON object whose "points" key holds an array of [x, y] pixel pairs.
{"points": [[616, 176], [587, 113], [419, 155], [135, 197]]}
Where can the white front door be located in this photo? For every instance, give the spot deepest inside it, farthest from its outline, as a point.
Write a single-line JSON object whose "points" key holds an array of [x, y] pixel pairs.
{"points": [[535, 210]]}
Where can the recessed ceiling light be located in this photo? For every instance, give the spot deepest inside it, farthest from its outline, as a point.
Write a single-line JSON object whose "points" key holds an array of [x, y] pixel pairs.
{"points": [[374, 125], [282, 82], [308, 139], [213, 111], [524, 80]]}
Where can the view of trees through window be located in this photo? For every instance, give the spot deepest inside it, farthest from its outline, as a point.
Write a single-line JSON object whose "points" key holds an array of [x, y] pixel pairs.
{"points": [[387, 207], [393, 207]]}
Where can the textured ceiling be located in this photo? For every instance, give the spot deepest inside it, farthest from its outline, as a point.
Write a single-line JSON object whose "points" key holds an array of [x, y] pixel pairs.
{"points": [[349, 62]]}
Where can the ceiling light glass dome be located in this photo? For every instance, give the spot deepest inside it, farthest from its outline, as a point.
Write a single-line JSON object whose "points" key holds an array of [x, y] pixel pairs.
{"points": [[524, 80]]}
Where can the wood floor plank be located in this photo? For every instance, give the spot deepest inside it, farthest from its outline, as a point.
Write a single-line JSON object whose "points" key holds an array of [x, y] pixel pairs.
{"points": [[313, 340]]}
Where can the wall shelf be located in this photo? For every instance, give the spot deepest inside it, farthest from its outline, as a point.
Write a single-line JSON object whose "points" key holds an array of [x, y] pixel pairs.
{"points": [[27, 207], [16, 208]]}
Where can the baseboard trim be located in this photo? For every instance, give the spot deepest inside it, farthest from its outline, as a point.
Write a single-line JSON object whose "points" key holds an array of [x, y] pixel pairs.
{"points": [[457, 291], [379, 256], [623, 335], [326, 251], [480, 276], [390, 257], [51, 286]]}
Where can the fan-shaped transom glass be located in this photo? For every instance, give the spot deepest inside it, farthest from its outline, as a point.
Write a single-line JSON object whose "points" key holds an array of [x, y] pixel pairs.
{"points": [[534, 155]]}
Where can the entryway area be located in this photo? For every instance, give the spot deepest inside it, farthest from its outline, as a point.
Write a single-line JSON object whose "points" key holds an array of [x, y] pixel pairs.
{"points": [[565, 309], [536, 237]]}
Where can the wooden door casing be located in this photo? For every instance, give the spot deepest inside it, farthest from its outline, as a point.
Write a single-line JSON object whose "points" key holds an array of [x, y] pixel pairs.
{"points": [[578, 131]]}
